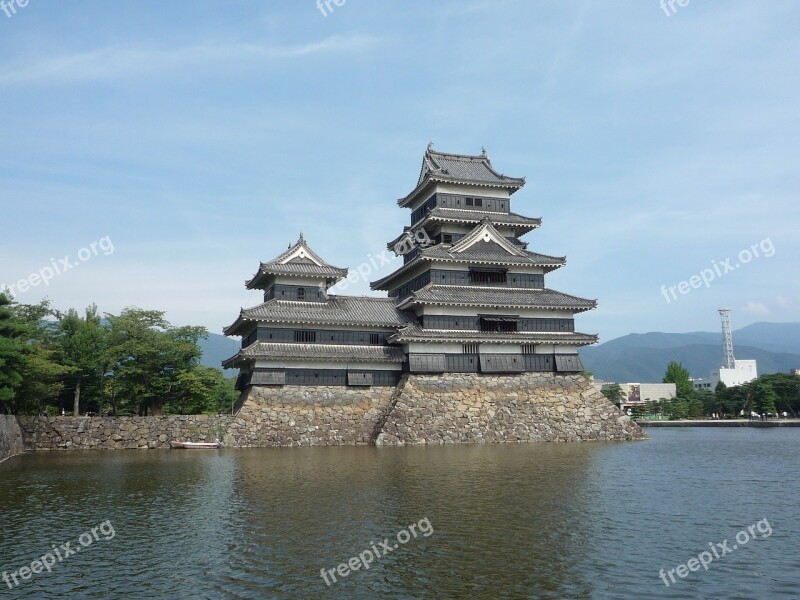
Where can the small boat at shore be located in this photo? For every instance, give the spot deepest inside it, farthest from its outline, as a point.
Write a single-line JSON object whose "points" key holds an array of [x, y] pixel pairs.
{"points": [[195, 445]]}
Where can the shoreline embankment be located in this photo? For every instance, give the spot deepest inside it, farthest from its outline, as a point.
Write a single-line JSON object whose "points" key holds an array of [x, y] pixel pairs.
{"points": [[721, 423], [11, 441]]}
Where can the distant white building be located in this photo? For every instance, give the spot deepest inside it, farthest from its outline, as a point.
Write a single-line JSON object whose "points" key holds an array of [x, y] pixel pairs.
{"points": [[743, 371], [636, 394], [734, 372]]}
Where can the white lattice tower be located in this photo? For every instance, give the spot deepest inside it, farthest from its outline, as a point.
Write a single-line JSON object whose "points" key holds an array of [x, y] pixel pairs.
{"points": [[727, 338]]}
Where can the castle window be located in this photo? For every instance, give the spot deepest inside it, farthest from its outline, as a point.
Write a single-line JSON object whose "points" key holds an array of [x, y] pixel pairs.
{"points": [[528, 349], [468, 201], [478, 201], [470, 349], [305, 337], [487, 276], [301, 293], [447, 238], [374, 339], [499, 324]]}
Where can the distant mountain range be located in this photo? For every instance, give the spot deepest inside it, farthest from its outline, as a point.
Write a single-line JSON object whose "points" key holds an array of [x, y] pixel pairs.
{"points": [[643, 357], [216, 349]]}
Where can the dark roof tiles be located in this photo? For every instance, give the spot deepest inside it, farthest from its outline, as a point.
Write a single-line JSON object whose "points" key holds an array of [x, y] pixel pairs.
{"points": [[337, 310], [463, 169], [331, 352], [415, 333], [496, 296], [299, 260]]}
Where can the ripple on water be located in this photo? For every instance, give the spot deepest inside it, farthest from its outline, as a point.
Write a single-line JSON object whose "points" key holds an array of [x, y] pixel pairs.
{"points": [[526, 521]]}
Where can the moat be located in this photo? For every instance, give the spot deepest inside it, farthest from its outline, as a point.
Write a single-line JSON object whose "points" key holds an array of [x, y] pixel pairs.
{"points": [[587, 520]]}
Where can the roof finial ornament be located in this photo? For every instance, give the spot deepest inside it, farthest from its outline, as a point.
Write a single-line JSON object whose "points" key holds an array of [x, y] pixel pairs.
{"points": [[483, 150], [301, 240], [430, 146]]}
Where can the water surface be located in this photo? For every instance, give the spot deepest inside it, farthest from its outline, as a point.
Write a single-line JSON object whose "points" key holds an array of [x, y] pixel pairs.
{"points": [[592, 520]]}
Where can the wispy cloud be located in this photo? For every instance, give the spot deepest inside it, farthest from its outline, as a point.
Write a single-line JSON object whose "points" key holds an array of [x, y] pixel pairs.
{"points": [[121, 61], [757, 309]]}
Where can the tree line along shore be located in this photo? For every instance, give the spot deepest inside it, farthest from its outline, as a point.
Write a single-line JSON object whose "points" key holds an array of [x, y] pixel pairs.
{"points": [[133, 363], [771, 395]]}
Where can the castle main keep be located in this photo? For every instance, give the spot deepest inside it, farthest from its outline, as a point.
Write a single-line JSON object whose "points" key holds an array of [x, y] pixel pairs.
{"points": [[469, 345]]}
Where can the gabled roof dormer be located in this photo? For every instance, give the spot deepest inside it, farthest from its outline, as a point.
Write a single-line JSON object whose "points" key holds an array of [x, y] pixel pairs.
{"points": [[486, 234], [299, 260]]}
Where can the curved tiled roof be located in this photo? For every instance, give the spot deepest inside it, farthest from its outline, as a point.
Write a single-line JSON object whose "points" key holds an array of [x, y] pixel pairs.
{"points": [[460, 168], [299, 261], [415, 333], [329, 352], [479, 253], [508, 219], [300, 270], [482, 252], [496, 296], [482, 245], [337, 310]]}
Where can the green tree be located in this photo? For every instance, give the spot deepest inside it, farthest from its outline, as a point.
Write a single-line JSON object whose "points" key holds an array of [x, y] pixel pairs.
{"points": [[614, 393], [13, 354], [43, 379], [762, 396], [653, 407], [148, 358], [680, 377], [83, 342], [787, 388], [707, 402], [203, 390], [43, 374], [677, 408]]}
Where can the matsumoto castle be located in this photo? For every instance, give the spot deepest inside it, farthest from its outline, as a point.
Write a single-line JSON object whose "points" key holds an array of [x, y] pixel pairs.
{"points": [[470, 296]]}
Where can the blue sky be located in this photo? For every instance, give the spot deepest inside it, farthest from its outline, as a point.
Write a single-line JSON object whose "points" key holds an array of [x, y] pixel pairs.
{"points": [[201, 137]]}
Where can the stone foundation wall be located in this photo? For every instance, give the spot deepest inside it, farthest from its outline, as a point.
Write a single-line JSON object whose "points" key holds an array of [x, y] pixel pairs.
{"points": [[117, 433], [310, 416], [423, 409], [476, 408], [11, 442]]}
